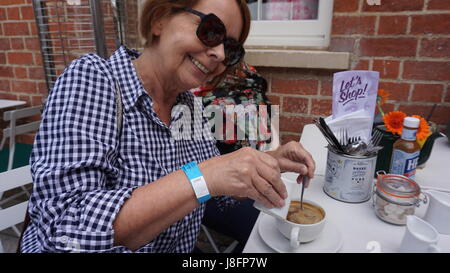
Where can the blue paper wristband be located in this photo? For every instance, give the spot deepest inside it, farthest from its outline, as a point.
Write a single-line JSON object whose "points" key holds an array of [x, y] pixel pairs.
{"points": [[197, 180]]}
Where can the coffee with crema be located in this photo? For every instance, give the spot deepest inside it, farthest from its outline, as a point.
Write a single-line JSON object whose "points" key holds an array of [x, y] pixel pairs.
{"points": [[310, 214]]}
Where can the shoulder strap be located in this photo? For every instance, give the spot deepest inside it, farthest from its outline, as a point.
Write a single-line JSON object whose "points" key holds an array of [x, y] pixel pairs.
{"points": [[119, 108]]}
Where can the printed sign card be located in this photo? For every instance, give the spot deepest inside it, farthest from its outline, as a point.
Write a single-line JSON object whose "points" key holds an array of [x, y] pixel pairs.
{"points": [[353, 91]]}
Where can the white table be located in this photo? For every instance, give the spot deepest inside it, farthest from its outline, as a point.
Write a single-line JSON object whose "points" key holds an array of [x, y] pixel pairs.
{"points": [[11, 103], [358, 224]]}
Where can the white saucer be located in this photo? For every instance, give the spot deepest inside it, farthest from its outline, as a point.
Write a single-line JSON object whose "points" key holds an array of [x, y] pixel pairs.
{"points": [[329, 241]]}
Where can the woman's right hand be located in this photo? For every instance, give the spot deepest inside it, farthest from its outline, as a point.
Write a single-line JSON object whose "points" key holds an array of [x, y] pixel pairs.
{"points": [[246, 173]]}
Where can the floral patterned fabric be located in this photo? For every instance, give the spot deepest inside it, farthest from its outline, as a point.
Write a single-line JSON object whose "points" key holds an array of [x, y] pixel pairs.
{"points": [[247, 88]]}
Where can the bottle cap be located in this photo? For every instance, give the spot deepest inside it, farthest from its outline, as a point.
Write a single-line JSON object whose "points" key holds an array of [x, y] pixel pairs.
{"points": [[411, 122]]}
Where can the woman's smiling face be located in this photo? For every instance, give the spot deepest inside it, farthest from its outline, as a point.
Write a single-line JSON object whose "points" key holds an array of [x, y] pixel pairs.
{"points": [[187, 60]]}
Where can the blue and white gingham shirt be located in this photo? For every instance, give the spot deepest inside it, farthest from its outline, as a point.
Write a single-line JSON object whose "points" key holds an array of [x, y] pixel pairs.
{"points": [[83, 174]]}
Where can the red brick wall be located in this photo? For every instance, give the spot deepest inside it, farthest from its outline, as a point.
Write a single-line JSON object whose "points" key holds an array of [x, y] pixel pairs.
{"points": [[407, 41], [21, 72]]}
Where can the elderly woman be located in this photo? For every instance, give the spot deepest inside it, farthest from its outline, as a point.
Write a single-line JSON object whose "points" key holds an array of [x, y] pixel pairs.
{"points": [[110, 177]]}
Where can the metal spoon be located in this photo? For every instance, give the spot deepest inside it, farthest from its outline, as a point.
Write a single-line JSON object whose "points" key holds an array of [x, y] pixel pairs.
{"points": [[356, 147], [305, 180], [301, 197]]}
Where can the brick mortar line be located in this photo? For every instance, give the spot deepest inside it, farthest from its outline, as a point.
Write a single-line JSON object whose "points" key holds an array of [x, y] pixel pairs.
{"points": [[23, 79], [377, 25], [390, 13], [360, 5], [23, 65], [421, 103], [425, 4], [18, 21], [392, 36], [319, 86], [419, 47], [4, 6], [371, 62], [21, 51], [309, 107], [412, 81], [393, 58], [410, 93], [22, 93], [408, 25], [417, 59]]}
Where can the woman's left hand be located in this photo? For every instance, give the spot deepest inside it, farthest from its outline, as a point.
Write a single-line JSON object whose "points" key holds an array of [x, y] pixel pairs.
{"points": [[292, 157]]}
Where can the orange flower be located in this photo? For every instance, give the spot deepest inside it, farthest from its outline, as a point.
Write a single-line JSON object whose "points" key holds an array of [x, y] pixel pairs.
{"points": [[424, 129], [382, 96], [394, 122]]}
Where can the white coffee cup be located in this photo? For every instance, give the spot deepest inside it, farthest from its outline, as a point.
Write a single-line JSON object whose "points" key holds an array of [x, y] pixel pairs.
{"points": [[420, 237], [301, 233], [438, 211]]}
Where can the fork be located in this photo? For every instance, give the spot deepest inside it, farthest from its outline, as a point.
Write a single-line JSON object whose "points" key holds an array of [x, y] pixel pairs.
{"points": [[354, 139], [376, 138], [374, 142], [343, 136]]}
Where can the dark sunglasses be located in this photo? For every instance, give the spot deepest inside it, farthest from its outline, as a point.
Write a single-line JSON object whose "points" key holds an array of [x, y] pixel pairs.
{"points": [[212, 32]]}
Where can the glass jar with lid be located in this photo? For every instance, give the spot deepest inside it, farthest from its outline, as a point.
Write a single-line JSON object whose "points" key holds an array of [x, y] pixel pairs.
{"points": [[395, 197]]}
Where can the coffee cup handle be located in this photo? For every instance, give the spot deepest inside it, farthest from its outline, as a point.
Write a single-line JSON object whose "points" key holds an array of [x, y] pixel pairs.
{"points": [[295, 241], [433, 249]]}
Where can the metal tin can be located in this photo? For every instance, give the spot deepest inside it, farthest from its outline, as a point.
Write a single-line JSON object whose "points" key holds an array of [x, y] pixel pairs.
{"points": [[349, 178]]}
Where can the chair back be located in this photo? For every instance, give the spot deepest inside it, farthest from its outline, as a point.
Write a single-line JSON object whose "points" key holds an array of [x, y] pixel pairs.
{"points": [[13, 215], [14, 130]]}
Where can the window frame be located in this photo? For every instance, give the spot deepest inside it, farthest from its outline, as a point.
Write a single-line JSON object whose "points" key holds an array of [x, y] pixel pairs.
{"points": [[298, 34]]}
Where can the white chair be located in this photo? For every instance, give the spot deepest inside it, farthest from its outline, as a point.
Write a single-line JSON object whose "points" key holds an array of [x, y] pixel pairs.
{"points": [[11, 132], [14, 130], [13, 215]]}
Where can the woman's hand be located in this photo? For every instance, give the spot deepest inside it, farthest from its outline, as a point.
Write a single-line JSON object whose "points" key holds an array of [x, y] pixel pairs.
{"points": [[293, 157], [246, 173]]}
